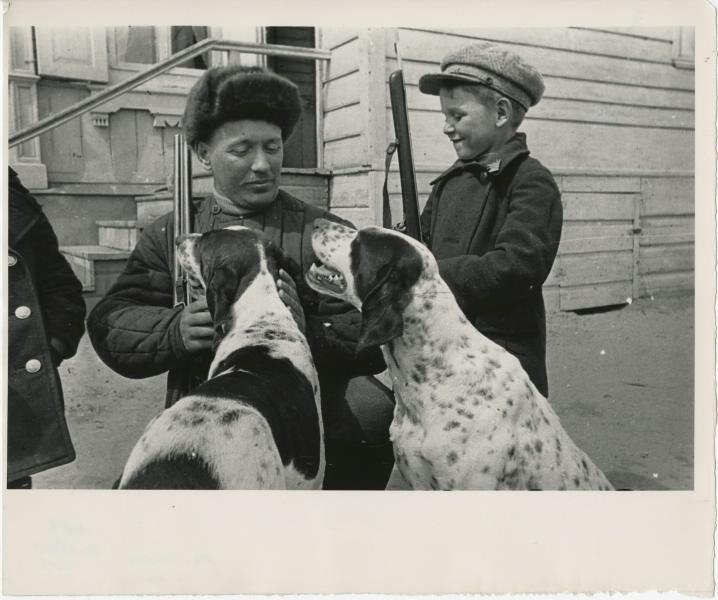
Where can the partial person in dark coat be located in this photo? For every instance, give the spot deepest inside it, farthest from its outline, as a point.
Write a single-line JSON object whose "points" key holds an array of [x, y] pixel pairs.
{"points": [[493, 219], [45, 324], [237, 120]]}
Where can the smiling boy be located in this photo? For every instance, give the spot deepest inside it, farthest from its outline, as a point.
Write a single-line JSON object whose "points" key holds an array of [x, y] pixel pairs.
{"points": [[493, 219]]}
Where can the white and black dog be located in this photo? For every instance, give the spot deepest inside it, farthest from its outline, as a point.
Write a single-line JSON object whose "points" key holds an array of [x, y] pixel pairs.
{"points": [[467, 415], [256, 422]]}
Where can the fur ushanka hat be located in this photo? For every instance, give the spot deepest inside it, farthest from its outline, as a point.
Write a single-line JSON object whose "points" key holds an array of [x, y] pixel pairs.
{"points": [[237, 92]]}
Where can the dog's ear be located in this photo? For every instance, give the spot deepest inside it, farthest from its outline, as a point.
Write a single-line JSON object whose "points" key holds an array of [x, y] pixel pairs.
{"points": [[221, 291], [383, 307], [382, 319]]}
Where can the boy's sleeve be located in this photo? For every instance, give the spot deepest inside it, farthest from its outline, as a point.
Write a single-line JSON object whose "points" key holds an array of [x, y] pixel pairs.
{"points": [[524, 251], [425, 218], [134, 328]]}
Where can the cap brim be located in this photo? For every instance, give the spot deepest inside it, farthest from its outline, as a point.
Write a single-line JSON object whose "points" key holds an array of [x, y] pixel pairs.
{"points": [[433, 82]]}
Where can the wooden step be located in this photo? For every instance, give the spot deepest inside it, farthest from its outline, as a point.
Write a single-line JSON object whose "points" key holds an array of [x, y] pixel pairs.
{"points": [[118, 234], [151, 207], [122, 235], [96, 267]]}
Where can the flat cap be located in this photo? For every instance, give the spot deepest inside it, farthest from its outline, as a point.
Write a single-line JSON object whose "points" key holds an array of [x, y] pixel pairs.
{"points": [[490, 65], [238, 92]]}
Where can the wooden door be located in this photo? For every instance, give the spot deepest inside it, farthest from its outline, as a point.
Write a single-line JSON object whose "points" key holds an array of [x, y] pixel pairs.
{"points": [[61, 148], [597, 258], [301, 149], [72, 53]]}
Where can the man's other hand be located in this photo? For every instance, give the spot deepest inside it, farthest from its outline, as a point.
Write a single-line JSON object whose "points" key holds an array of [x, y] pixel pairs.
{"points": [[196, 326]]}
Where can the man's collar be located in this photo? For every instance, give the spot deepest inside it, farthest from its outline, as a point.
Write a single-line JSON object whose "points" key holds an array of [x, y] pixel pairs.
{"points": [[494, 162], [228, 207]]}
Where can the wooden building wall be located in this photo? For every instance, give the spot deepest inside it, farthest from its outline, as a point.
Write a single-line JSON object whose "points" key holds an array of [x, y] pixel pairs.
{"points": [[615, 126], [354, 120], [91, 168]]}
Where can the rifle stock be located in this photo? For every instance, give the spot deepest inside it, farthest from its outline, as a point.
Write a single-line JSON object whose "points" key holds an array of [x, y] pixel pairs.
{"points": [[407, 174]]}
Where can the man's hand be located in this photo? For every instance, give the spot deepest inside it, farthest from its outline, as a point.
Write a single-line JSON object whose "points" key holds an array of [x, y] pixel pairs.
{"points": [[288, 294], [196, 326]]}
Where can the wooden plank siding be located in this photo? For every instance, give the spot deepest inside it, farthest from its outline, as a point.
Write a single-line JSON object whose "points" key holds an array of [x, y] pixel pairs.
{"points": [[615, 126], [595, 262], [344, 129], [344, 138], [353, 124], [667, 252]]}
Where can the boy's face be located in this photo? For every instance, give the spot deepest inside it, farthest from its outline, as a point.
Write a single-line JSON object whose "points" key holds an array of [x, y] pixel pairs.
{"points": [[473, 128]]}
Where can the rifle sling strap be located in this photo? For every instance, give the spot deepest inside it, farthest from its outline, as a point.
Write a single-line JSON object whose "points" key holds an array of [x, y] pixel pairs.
{"points": [[386, 212]]}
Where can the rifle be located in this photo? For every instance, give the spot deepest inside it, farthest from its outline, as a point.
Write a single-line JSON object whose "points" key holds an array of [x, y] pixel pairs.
{"points": [[407, 174], [179, 382], [182, 204]]}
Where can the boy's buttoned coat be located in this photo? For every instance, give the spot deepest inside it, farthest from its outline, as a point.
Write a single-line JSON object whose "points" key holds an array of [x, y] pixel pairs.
{"points": [[45, 301], [494, 227]]}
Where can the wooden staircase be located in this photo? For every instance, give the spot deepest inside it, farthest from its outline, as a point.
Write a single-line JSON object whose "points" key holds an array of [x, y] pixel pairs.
{"points": [[98, 265]]}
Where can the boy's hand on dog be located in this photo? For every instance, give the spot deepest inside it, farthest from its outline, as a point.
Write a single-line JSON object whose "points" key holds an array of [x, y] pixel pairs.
{"points": [[288, 293], [196, 326]]}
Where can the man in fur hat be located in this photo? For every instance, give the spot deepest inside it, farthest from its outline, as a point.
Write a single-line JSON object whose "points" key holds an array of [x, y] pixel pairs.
{"points": [[236, 121]]}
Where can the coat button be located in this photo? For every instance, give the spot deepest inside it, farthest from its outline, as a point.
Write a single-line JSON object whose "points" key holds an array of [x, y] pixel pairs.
{"points": [[11, 261], [23, 312], [33, 365]]}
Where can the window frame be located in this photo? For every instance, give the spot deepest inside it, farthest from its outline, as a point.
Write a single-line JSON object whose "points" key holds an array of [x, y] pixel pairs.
{"points": [[163, 48], [683, 51]]}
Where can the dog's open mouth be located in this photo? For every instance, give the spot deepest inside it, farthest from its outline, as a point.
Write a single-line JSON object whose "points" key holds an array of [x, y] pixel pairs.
{"points": [[326, 277]]}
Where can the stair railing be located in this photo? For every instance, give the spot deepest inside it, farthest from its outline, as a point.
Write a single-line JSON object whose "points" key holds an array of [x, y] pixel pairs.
{"points": [[86, 105], [182, 176]]}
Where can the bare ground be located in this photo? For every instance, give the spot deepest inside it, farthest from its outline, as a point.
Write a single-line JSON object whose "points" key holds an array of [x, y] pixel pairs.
{"points": [[621, 381]]}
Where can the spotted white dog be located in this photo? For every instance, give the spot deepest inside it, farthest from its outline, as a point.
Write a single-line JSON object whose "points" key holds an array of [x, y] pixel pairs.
{"points": [[467, 415], [256, 422]]}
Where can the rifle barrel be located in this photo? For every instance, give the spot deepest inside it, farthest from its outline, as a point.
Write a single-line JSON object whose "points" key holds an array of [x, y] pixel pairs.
{"points": [[186, 154], [407, 173], [177, 183], [186, 198]]}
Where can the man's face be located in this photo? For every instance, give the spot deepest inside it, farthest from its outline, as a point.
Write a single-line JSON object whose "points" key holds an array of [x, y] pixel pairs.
{"points": [[246, 159], [472, 127]]}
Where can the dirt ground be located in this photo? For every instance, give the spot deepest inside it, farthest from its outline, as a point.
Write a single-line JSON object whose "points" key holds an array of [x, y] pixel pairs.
{"points": [[621, 381]]}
